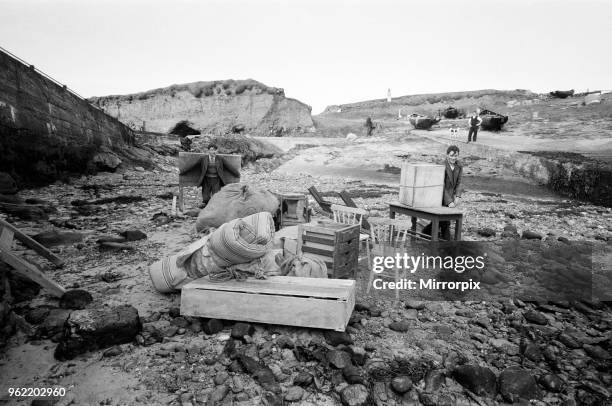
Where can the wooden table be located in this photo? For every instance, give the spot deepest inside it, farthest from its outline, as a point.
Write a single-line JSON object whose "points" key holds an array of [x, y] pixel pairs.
{"points": [[434, 214]]}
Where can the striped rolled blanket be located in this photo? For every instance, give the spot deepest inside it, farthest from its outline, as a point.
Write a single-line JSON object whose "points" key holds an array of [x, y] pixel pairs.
{"points": [[242, 240]]}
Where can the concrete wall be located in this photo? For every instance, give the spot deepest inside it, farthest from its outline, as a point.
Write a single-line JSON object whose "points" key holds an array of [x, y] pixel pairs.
{"points": [[45, 130]]}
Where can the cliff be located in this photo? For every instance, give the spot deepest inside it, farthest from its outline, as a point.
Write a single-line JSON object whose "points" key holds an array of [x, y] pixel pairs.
{"points": [[47, 131], [211, 107]]}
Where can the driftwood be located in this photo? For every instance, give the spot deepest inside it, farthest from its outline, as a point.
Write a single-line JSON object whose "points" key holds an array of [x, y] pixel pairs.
{"points": [[24, 211]]}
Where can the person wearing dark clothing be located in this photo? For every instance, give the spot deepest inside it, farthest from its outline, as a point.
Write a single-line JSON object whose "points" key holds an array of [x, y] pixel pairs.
{"points": [[369, 125], [474, 123], [451, 194], [214, 173], [452, 186]]}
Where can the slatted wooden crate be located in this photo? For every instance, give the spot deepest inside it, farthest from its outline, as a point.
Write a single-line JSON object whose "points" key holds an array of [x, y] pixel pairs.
{"points": [[284, 300], [336, 244]]}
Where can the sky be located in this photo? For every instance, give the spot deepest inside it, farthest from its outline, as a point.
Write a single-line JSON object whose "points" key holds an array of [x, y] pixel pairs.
{"points": [[321, 52]]}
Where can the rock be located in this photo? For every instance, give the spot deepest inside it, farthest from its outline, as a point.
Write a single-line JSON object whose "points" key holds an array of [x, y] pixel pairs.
{"points": [[92, 329], [24, 211], [106, 161], [174, 312], [271, 399], [220, 378], [480, 380], [596, 352], [242, 329], [55, 238], [294, 393], [516, 383], [303, 379], [362, 307], [8, 186], [114, 246], [335, 338], [54, 323], [150, 335], [180, 322], [486, 232], [113, 351], [535, 317], [76, 299], [284, 342], [531, 351], [217, 395], [563, 239], [353, 375], [261, 373], [434, 379], [354, 395], [133, 235], [400, 326], [37, 315], [339, 359], [414, 304], [530, 235], [358, 354], [569, 340], [401, 384], [552, 383], [470, 314], [212, 326]]}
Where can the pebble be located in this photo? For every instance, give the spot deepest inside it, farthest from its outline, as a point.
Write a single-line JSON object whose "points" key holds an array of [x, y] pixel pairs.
{"points": [[535, 317], [400, 326], [354, 395], [401, 384], [339, 359], [516, 383], [478, 379]]}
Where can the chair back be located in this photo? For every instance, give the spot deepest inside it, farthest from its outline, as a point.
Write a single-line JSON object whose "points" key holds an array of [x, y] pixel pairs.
{"points": [[348, 215]]}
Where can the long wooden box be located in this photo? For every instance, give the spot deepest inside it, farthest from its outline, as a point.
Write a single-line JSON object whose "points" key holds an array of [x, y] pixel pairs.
{"points": [[336, 244], [284, 300], [421, 184]]}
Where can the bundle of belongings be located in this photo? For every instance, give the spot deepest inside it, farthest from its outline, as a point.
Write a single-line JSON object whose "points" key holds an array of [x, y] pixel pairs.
{"points": [[238, 249], [234, 201]]}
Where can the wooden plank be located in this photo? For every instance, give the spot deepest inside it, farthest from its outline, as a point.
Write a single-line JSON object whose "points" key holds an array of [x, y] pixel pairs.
{"points": [[286, 285], [30, 243], [6, 238], [325, 205], [31, 272], [273, 309], [318, 239], [318, 251]]}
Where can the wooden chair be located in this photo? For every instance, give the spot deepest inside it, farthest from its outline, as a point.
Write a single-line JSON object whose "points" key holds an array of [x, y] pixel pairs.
{"points": [[23, 267], [324, 204], [385, 240], [354, 215]]}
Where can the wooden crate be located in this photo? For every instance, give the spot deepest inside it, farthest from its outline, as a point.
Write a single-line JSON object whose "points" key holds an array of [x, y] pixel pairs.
{"points": [[293, 209], [336, 244], [284, 300], [421, 185]]}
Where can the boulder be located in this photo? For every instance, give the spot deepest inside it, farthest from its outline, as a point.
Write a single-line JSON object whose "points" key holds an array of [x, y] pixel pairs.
{"points": [[516, 383], [54, 238], [355, 395], [93, 329], [480, 380], [8, 186], [106, 161], [76, 299]]}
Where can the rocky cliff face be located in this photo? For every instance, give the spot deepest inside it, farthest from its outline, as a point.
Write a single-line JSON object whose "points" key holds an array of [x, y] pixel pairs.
{"points": [[46, 131], [211, 107]]}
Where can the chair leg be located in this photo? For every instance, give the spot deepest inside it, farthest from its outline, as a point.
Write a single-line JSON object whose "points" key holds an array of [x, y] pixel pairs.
{"points": [[396, 282]]}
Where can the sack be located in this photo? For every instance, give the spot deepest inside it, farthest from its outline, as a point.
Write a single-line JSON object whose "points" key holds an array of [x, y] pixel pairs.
{"points": [[233, 201], [242, 240], [260, 268], [304, 267]]}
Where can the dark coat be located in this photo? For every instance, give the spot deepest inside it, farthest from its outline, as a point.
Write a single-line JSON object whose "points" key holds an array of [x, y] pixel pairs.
{"points": [[227, 174], [452, 183]]}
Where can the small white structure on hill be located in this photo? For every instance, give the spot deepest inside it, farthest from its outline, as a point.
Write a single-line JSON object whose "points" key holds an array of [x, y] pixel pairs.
{"points": [[388, 95]]}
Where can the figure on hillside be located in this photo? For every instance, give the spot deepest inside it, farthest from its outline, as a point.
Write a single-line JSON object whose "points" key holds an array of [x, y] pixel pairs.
{"points": [[452, 188], [474, 123], [215, 173], [369, 125]]}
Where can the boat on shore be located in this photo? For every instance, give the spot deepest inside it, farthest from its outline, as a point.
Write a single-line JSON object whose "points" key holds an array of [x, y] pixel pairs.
{"points": [[492, 121], [421, 122], [562, 94]]}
